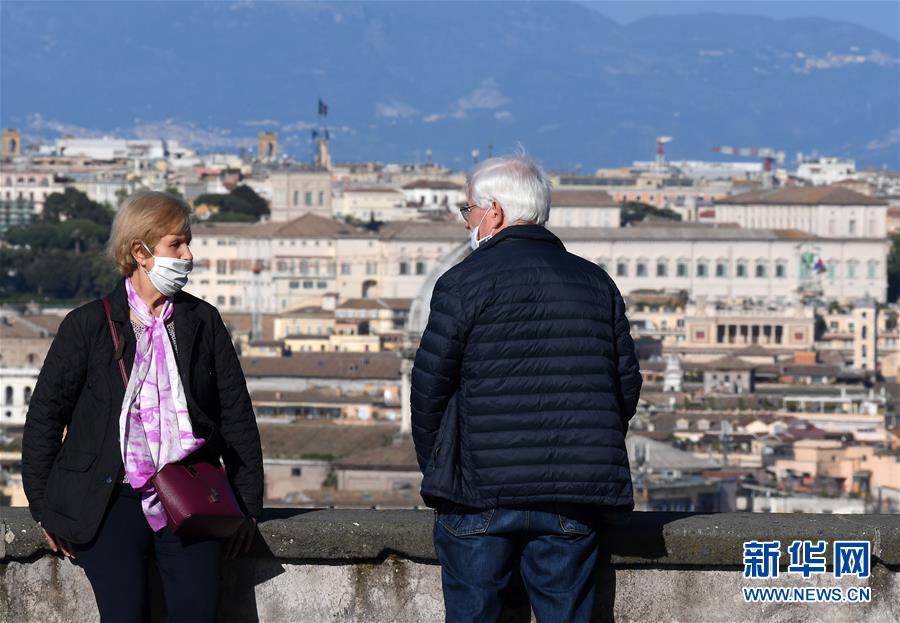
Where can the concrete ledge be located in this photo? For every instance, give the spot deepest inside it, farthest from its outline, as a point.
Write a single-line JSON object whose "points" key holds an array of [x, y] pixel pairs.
{"points": [[344, 565], [652, 539]]}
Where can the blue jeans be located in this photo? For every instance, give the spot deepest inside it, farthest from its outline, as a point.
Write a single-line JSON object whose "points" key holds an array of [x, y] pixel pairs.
{"points": [[479, 551]]}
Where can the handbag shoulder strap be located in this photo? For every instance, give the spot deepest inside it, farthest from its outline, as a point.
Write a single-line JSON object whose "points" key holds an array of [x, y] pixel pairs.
{"points": [[115, 339]]}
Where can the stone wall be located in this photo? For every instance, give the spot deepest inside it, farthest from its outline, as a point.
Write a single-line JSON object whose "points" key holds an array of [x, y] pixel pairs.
{"points": [[372, 565]]}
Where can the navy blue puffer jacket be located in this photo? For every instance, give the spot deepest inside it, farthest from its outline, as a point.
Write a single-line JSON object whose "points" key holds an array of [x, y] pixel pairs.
{"points": [[525, 379]]}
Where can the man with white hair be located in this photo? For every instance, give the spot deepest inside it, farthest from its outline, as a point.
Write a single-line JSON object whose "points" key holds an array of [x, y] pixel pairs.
{"points": [[522, 389]]}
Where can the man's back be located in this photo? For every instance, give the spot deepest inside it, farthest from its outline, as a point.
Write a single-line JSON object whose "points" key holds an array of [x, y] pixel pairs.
{"points": [[525, 380]]}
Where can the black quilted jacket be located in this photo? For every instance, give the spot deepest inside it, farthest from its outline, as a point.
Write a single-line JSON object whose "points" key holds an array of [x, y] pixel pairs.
{"points": [[525, 380], [80, 390]]}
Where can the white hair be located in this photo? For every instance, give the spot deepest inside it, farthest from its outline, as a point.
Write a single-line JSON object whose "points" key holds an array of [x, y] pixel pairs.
{"points": [[517, 183]]}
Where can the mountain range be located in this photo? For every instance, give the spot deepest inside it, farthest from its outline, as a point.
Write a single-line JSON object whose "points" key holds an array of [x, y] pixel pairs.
{"points": [[407, 80]]}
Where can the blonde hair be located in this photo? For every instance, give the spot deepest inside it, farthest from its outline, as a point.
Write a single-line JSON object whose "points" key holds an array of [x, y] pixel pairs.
{"points": [[145, 216]]}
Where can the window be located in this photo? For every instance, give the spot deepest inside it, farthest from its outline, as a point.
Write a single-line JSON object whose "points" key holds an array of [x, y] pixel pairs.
{"points": [[741, 269], [721, 269], [221, 267], [296, 472], [296, 198], [621, 269], [852, 226], [602, 263], [661, 268], [641, 270], [345, 268], [321, 285], [220, 300], [371, 268], [682, 269], [307, 198], [760, 270], [27, 395], [307, 285], [234, 301], [851, 270], [702, 269], [321, 198], [872, 270], [293, 285], [420, 268], [404, 268], [780, 270], [8, 396]]}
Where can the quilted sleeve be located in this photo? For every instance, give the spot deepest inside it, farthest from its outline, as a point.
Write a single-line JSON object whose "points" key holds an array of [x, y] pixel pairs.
{"points": [[436, 370], [50, 410]]}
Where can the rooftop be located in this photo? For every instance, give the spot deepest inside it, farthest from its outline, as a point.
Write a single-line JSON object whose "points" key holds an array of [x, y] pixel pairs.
{"points": [[564, 198], [347, 366], [803, 195]]}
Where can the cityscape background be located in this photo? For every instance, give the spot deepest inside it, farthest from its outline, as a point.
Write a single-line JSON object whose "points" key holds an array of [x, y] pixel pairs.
{"points": [[734, 167]]}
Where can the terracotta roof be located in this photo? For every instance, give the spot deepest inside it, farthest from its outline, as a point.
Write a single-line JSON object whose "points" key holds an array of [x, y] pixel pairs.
{"points": [[377, 303], [326, 395], [325, 440], [433, 185], [372, 189], [198, 230], [398, 456], [399, 230], [350, 366], [582, 199], [728, 363], [242, 323], [677, 231], [803, 195], [307, 226]]}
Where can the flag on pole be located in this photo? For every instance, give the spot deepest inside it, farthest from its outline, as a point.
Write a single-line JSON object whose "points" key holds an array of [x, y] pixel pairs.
{"points": [[323, 108], [819, 266]]}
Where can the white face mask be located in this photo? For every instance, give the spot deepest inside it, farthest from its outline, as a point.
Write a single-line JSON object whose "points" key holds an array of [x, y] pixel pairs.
{"points": [[169, 274], [474, 241]]}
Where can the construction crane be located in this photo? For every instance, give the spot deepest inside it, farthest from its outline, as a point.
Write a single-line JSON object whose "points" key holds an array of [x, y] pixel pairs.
{"points": [[767, 154], [661, 152]]}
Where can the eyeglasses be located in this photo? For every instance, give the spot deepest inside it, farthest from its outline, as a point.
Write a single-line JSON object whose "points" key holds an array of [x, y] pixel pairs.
{"points": [[466, 210]]}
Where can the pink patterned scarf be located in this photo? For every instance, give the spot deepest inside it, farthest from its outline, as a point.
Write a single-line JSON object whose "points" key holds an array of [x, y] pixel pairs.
{"points": [[154, 425]]}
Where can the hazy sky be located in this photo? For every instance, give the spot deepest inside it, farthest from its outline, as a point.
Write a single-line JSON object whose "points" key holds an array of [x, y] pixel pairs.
{"points": [[881, 15]]}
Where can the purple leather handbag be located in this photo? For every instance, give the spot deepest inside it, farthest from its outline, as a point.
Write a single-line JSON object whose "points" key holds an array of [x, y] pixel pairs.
{"points": [[197, 497]]}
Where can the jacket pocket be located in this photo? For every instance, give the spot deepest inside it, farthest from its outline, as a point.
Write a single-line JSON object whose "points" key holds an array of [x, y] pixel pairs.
{"points": [[69, 484]]}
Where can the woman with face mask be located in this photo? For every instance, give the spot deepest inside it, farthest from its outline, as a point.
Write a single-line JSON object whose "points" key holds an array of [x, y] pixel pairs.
{"points": [[142, 379]]}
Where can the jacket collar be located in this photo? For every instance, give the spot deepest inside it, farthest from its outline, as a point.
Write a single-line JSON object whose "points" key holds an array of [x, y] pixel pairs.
{"points": [[524, 232]]}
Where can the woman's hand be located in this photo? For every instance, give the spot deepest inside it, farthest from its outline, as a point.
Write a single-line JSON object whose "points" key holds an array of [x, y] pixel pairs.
{"points": [[242, 540], [57, 544]]}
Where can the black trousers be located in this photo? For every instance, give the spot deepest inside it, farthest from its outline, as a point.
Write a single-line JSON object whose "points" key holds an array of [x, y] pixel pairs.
{"points": [[116, 564]]}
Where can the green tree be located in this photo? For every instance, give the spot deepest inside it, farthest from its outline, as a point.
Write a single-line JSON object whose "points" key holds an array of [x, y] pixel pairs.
{"points": [[232, 217], [635, 211], [258, 205], [894, 268], [73, 204]]}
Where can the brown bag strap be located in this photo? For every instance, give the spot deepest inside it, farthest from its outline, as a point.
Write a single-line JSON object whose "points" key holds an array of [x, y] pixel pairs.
{"points": [[115, 339]]}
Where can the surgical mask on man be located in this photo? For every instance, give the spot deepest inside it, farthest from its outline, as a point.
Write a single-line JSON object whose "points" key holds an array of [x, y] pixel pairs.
{"points": [[474, 242], [169, 274]]}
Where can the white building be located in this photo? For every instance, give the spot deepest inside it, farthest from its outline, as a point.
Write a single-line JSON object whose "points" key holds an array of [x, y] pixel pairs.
{"points": [[299, 190], [825, 171], [430, 194], [29, 185], [583, 208], [378, 203], [108, 148], [300, 260], [826, 211]]}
